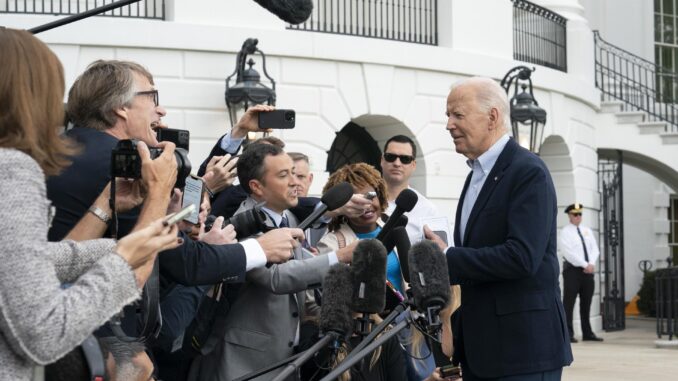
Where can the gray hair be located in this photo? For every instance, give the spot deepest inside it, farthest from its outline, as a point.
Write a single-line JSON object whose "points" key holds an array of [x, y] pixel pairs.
{"points": [[489, 95], [103, 88]]}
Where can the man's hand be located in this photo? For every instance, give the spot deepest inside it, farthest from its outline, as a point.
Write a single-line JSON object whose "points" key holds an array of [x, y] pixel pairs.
{"points": [[590, 269], [159, 175], [128, 194], [250, 121], [345, 254], [355, 207], [430, 235], [279, 243], [220, 173], [217, 235]]}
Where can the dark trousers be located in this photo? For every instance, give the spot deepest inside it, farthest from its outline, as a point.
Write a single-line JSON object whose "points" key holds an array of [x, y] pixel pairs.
{"points": [[576, 282], [550, 375]]}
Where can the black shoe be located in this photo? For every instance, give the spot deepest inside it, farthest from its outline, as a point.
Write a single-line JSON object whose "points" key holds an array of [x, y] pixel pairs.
{"points": [[573, 340], [592, 338]]}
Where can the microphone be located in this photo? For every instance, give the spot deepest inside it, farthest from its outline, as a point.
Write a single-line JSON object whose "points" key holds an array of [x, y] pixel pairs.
{"points": [[405, 202], [291, 11], [369, 281], [430, 281], [335, 312], [335, 318], [389, 240], [335, 197], [399, 239]]}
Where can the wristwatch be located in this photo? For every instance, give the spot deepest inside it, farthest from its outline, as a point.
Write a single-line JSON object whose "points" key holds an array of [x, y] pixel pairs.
{"points": [[103, 216]]}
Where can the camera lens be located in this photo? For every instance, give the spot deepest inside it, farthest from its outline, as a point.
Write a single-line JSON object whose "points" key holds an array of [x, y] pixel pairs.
{"points": [[289, 115]]}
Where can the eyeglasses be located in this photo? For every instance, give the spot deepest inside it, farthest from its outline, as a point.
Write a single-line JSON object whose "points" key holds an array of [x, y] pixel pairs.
{"points": [[575, 214], [154, 93], [391, 157]]}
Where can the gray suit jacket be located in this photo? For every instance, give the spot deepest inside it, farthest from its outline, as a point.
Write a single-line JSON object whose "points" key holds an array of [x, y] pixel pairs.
{"points": [[262, 323]]}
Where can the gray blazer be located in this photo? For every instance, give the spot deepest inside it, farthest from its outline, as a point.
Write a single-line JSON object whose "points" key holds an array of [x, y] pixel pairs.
{"points": [[262, 323], [40, 321]]}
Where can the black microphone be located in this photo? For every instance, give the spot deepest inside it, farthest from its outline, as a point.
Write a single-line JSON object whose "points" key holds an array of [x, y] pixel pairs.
{"points": [[389, 240], [430, 281], [405, 202], [335, 318], [369, 282], [292, 11], [399, 239], [335, 197], [335, 312]]}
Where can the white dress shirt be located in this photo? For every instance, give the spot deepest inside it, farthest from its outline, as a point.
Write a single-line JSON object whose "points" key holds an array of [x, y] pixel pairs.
{"points": [[570, 245]]}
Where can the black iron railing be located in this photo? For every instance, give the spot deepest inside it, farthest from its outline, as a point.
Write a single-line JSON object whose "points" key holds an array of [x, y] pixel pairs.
{"points": [[146, 9], [666, 282], [539, 35], [401, 20], [638, 83]]}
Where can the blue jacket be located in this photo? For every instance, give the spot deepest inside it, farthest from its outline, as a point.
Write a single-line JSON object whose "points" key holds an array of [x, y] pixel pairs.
{"points": [[512, 318]]}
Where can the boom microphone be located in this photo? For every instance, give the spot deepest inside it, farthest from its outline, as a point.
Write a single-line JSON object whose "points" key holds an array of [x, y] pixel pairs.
{"points": [[335, 197], [429, 279], [292, 11], [405, 202], [369, 277]]}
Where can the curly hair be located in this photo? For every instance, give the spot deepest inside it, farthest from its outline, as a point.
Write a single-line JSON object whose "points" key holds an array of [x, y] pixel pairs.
{"points": [[359, 175]]}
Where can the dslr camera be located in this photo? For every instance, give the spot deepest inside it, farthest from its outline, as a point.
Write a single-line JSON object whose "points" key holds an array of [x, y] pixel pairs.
{"points": [[246, 224], [126, 162]]}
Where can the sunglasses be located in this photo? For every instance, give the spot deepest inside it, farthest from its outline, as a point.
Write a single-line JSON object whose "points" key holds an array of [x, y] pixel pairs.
{"points": [[154, 93], [405, 159], [575, 214]]}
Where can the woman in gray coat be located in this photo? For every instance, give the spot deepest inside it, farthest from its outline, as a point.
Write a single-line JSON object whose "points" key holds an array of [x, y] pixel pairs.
{"points": [[39, 320]]}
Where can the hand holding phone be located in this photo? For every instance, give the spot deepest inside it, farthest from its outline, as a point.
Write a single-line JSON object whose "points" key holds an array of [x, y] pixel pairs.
{"points": [[178, 216], [370, 195]]}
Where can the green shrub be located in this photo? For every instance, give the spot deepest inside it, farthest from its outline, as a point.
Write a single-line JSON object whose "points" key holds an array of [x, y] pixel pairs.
{"points": [[647, 304]]}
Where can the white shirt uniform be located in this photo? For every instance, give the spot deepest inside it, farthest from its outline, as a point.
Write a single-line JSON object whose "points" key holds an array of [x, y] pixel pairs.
{"points": [[423, 209], [570, 245]]}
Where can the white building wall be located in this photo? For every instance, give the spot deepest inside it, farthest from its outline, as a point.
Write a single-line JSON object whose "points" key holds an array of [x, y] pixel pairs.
{"points": [[389, 87]]}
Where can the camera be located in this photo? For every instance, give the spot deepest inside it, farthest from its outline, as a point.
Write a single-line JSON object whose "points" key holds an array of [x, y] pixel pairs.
{"points": [[246, 224], [126, 162], [180, 138]]}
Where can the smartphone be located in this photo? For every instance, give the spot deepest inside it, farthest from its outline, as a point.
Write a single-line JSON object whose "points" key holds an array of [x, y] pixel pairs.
{"points": [[193, 196], [370, 195], [450, 372], [277, 119], [180, 138], [178, 216]]}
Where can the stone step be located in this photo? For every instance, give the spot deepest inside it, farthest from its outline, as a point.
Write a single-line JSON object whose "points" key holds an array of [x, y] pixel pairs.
{"points": [[629, 117], [669, 137], [611, 106], [648, 128]]}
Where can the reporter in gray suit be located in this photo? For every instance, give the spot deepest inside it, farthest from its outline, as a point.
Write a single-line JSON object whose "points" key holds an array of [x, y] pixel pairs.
{"points": [[263, 324]]}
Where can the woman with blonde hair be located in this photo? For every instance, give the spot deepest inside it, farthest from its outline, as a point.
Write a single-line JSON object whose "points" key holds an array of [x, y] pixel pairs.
{"points": [[39, 320]]}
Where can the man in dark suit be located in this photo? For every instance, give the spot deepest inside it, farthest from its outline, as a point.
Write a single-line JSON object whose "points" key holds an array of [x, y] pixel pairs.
{"points": [[512, 320]]}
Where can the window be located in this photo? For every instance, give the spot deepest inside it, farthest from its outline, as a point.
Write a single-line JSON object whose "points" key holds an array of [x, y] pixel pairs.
{"points": [[666, 48], [673, 231]]}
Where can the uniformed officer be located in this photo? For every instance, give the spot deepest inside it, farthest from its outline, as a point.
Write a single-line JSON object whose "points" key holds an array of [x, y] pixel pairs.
{"points": [[580, 252]]}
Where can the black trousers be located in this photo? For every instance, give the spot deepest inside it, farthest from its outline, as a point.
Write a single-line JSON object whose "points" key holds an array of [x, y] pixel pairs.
{"points": [[577, 282]]}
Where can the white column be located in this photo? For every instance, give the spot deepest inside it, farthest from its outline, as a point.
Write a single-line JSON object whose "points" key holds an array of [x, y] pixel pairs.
{"points": [[486, 29]]}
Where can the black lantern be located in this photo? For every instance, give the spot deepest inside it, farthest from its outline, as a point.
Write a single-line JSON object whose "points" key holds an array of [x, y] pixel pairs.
{"points": [[527, 118], [247, 90]]}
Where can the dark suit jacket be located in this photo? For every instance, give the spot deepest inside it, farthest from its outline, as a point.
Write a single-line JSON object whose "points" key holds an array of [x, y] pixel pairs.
{"points": [[512, 318]]}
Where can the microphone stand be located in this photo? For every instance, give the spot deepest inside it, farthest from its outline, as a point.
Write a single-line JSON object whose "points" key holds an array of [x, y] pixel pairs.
{"points": [[378, 329], [306, 355], [349, 362], [80, 16]]}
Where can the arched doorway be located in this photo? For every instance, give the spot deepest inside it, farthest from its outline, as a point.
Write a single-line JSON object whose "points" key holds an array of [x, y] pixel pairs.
{"points": [[353, 144]]}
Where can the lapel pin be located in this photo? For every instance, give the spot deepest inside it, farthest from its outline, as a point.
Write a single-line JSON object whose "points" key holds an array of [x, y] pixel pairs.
{"points": [[495, 178]]}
